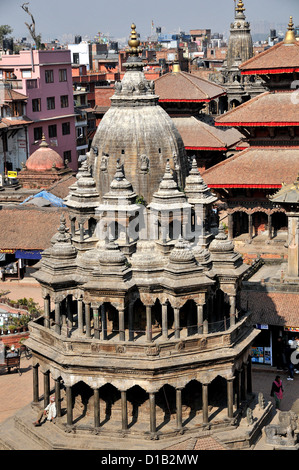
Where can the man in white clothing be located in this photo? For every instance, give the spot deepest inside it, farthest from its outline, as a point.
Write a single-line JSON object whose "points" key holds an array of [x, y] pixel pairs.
{"points": [[49, 411]]}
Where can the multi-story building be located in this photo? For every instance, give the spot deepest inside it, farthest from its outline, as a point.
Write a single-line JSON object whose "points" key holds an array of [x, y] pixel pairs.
{"points": [[45, 77]]}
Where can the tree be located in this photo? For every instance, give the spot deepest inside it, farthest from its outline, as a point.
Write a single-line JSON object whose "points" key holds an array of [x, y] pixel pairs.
{"points": [[5, 29], [36, 37]]}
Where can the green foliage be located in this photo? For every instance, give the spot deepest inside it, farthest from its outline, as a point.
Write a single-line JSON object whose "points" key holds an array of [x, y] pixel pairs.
{"points": [[5, 29]]}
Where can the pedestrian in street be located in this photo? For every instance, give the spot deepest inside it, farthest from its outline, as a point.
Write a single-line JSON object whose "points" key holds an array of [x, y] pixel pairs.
{"points": [[277, 391], [49, 412]]}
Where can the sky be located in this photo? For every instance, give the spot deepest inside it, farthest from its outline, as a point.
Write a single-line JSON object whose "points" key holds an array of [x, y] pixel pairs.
{"points": [[63, 19]]}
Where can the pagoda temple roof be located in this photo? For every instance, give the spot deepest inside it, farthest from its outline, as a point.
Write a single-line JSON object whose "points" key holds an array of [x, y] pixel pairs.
{"points": [[186, 87], [273, 109], [280, 58], [255, 168], [197, 135]]}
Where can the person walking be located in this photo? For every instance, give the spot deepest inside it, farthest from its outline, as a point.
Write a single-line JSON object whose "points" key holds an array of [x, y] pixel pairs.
{"points": [[277, 391]]}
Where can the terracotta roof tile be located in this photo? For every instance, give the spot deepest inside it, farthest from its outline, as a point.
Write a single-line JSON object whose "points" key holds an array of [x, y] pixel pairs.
{"points": [[269, 108], [28, 229], [255, 167], [184, 86], [272, 308], [198, 134], [277, 57]]}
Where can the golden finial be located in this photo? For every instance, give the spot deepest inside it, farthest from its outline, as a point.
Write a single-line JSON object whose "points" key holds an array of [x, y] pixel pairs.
{"points": [[134, 41], [43, 142], [290, 37], [176, 65], [240, 7]]}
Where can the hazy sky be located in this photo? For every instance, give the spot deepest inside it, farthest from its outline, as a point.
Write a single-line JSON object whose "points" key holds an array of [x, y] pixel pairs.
{"points": [[59, 18]]}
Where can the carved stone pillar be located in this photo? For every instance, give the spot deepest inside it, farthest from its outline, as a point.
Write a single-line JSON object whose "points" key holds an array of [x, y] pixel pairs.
{"points": [[131, 321], [232, 312], [149, 332], [164, 321], [250, 227], [35, 384], [243, 383], [47, 311], [205, 404], [199, 319], [57, 318], [179, 420], [176, 312], [80, 316], [96, 397], [104, 322], [230, 397], [152, 402], [69, 314], [81, 227], [96, 323], [69, 405], [87, 320], [57, 398], [249, 376], [121, 324], [124, 411], [46, 388]]}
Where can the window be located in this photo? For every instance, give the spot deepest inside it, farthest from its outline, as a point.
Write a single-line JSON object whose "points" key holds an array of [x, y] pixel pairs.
{"points": [[64, 101], [26, 73], [31, 83], [62, 75], [51, 102], [49, 76], [52, 131], [36, 105], [38, 133], [66, 128], [67, 156], [76, 58]]}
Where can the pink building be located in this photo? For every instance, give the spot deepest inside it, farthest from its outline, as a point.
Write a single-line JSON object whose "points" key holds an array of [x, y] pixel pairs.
{"points": [[45, 77]]}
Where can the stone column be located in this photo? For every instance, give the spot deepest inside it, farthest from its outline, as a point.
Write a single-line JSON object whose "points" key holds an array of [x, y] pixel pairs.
{"points": [[149, 332], [35, 384], [230, 397], [205, 404], [199, 319], [87, 320], [124, 411], [57, 318], [176, 312], [131, 321], [232, 312], [69, 315], [104, 322], [81, 227], [152, 402], [80, 316], [57, 398], [250, 227], [69, 405], [96, 397], [46, 388], [164, 322], [96, 324], [47, 311], [179, 408], [121, 324]]}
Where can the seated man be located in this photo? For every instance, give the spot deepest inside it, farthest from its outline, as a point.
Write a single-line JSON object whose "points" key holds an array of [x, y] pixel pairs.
{"points": [[49, 411]]}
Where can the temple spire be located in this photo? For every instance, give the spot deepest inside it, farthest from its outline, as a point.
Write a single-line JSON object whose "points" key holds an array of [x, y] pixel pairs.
{"points": [[134, 42], [290, 37]]}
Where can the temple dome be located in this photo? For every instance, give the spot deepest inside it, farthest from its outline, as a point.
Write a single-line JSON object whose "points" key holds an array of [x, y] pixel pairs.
{"points": [[137, 131], [44, 158]]}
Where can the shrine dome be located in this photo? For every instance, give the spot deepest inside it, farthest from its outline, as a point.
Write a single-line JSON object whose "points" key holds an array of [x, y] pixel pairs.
{"points": [[138, 132], [44, 158]]}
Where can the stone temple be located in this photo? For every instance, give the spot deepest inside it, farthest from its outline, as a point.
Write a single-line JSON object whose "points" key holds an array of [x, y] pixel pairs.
{"points": [[142, 333]]}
